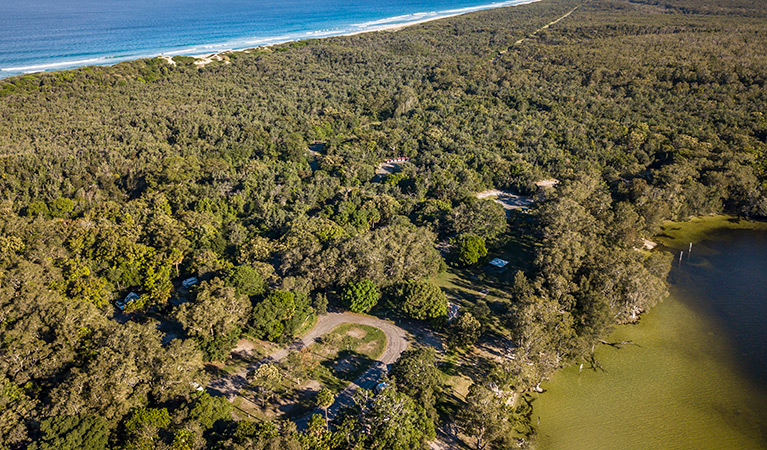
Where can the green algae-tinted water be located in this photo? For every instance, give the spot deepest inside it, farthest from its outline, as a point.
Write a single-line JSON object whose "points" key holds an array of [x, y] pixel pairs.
{"points": [[698, 377]]}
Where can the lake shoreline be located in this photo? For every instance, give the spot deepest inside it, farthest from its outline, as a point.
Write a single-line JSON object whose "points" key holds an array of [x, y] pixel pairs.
{"points": [[684, 384], [698, 229]]}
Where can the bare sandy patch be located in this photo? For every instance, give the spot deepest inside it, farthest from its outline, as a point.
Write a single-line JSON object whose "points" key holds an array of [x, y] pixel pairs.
{"points": [[357, 333]]}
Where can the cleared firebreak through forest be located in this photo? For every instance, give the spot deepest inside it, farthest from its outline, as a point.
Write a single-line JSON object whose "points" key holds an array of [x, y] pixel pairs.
{"points": [[135, 177]]}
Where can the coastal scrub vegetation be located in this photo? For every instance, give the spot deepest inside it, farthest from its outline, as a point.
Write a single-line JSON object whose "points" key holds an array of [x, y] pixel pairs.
{"points": [[134, 178]]}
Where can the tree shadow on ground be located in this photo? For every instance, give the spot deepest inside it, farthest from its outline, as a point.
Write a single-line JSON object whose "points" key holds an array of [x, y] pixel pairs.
{"points": [[348, 365], [298, 403], [472, 365]]}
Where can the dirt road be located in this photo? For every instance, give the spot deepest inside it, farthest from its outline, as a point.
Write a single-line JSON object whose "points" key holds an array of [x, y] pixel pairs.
{"points": [[397, 341], [547, 25]]}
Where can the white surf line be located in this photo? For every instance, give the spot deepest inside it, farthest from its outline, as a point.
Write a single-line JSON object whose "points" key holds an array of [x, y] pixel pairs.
{"points": [[237, 45]]}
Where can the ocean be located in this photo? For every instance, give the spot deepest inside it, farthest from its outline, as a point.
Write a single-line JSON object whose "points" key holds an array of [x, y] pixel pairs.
{"points": [[45, 35]]}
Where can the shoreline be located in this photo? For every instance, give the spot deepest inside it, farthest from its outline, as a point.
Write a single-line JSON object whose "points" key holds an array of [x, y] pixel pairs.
{"points": [[676, 334], [207, 58], [399, 26], [248, 43]]}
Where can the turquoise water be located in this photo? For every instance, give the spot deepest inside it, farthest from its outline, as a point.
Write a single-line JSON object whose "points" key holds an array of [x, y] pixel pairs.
{"points": [[42, 35]]}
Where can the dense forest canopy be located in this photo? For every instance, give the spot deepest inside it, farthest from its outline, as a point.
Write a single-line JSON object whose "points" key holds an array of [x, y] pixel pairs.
{"points": [[132, 178]]}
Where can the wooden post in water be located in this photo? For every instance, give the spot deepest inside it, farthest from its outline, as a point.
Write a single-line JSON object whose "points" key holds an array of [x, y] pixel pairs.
{"points": [[680, 257], [689, 251]]}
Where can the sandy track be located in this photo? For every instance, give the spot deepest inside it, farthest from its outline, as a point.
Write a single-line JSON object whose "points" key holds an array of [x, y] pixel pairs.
{"points": [[547, 25]]}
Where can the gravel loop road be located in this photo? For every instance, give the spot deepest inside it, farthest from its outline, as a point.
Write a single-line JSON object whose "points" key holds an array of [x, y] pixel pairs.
{"points": [[397, 341]]}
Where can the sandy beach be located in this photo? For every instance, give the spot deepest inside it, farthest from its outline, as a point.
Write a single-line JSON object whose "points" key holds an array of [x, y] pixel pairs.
{"points": [[255, 29], [207, 58]]}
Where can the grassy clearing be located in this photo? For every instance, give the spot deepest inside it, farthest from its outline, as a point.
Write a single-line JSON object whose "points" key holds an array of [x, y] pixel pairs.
{"points": [[245, 353], [456, 378], [340, 357], [346, 353], [249, 350], [245, 409], [484, 291], [518, 247], [363, 339], [679, 235], [476, 292]]}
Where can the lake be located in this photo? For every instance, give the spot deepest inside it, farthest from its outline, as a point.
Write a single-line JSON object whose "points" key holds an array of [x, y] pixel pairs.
{"points": [[697, 378]]}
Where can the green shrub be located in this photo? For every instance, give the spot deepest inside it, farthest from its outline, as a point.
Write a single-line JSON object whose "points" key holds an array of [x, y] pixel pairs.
{"points": [[469, 249], [361, 297]]}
